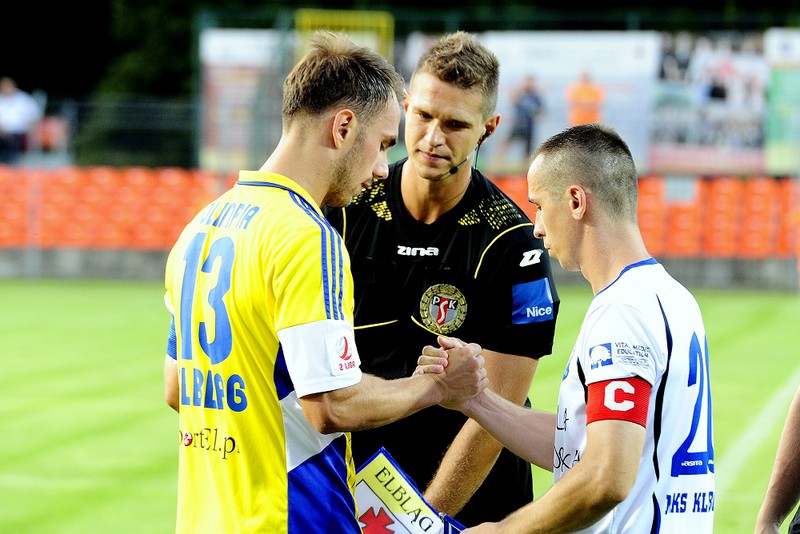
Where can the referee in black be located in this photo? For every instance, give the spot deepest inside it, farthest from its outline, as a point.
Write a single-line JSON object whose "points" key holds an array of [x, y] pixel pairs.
{"points": [[437, 248]]}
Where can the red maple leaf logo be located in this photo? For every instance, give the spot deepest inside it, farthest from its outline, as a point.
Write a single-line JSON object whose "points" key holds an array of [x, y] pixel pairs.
{"points": [[376, 524]]}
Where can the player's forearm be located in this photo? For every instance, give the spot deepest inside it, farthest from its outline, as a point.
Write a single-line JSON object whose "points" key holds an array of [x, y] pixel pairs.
{"points": [[779, 501], [781, 497], [376, 402], [575, 502], [474, 452], [528, 433], [464, 467], [371, 403], [386, 401], [783, 490], [592, 487]]}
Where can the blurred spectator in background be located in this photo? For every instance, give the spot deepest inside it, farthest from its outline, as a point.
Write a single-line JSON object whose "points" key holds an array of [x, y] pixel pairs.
{"points": [[585, 100], [19, 113], [528, 105], [676, 55]]}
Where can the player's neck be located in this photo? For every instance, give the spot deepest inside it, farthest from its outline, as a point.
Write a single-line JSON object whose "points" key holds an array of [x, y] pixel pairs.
{"points": [[288, 160], [610, 254], [428, 200]]}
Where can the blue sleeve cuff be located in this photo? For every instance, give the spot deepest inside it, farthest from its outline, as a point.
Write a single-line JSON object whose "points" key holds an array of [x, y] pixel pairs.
{"points": [[172, 341]]}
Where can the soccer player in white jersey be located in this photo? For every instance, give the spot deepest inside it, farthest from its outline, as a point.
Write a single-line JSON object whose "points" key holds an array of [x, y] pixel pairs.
{"points": [[631, 445], [261, 364]]}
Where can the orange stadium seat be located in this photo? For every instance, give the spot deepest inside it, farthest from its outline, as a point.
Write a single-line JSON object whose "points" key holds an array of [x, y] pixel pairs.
{"points": [[136, 190], [62, 186], [102, 184], [721, 199], [206, 186], [138, 185], [13, 183], [759, 218], [57, 227], [174, 178], [172, 193], [49, 202], [109, 210], [138, 177], [207, 180], [68, 212], [13, 224], [75, 236], [683, 238], [103, 177], [15, 192], [789, 223], [157, 203], [652, 214], [111, 235], [76, 205], [153, 228], [12, 235]]}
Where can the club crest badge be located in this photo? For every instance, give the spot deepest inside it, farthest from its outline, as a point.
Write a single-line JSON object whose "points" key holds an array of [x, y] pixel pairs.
{"points": [[443, 308]]}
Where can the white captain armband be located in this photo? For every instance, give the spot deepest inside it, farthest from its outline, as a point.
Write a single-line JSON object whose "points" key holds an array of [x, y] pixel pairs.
{"points": [[321, 356]]}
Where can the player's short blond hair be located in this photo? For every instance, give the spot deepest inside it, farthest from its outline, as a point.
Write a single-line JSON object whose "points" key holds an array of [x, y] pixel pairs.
{"points": [[338, 73]]}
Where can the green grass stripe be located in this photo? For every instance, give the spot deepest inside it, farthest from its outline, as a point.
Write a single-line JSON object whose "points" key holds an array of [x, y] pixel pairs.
{"points": [[88, 444]]}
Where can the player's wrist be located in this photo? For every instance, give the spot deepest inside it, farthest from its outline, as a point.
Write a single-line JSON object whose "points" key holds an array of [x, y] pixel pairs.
{"points": [[433, 387]]}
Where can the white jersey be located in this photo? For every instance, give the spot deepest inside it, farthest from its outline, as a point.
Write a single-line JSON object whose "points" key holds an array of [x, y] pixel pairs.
{"points": [[645, 324]]}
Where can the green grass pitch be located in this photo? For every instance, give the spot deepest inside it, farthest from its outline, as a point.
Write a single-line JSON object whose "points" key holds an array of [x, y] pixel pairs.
{"points": [[88, 444]]}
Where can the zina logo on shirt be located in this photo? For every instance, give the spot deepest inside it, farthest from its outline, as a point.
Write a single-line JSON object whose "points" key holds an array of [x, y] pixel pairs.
{"points": [[403, 250]]}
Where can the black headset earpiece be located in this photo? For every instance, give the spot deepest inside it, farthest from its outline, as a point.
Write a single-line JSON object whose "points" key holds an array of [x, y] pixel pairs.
{"points": [[454, 168]]}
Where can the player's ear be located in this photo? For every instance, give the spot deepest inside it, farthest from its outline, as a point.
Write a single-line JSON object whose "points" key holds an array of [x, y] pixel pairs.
{"points": [[577, 201], [343, 127]]}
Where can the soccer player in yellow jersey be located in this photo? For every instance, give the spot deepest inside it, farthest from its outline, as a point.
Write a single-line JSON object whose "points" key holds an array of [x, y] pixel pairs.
{"points": [[261, 365]]}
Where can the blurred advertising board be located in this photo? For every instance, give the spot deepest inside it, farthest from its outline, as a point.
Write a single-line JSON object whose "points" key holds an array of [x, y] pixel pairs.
{"points": [[623, 66], [710, 105], [242, 73], [782, 146], [241, 93], [686, 103]]}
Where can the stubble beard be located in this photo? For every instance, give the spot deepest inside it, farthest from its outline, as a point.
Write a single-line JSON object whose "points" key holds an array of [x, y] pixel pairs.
{"points": [[341, 192]]}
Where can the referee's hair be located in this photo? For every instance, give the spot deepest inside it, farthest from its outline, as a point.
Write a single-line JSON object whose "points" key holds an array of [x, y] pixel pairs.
{"points": [[595, 156], [338, 73], [459, 59]]}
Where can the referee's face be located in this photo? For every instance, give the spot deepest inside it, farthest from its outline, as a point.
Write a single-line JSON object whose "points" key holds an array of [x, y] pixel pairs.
{"points": [[443, 126]]}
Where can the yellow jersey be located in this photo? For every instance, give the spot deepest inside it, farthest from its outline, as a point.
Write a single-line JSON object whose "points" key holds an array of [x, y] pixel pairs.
{"points": [[261, 293]]}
